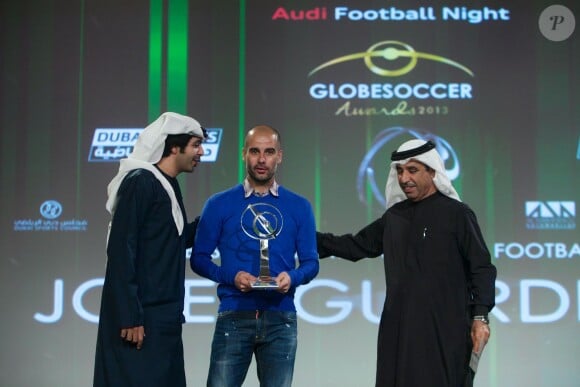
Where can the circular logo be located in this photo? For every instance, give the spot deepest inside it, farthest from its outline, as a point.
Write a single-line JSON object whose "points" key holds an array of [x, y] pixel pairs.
{"points": [[556, 23], [262, 221], [50, 209]]}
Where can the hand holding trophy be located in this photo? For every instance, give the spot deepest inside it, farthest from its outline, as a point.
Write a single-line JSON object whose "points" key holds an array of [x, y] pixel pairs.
{"points": [[263, 222]]}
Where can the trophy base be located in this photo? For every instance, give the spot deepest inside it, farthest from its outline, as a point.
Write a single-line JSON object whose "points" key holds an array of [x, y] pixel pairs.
{"points": [[265, 283]]}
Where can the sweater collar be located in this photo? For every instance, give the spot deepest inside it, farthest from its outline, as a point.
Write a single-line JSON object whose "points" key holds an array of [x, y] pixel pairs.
{"points": [[249, 190]]}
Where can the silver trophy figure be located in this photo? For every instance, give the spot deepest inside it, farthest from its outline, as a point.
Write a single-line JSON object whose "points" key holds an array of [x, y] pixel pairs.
{"points": [[266, 223]]}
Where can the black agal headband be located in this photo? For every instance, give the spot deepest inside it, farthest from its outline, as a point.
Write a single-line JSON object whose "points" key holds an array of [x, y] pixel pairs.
{"points": [[396, 156]]}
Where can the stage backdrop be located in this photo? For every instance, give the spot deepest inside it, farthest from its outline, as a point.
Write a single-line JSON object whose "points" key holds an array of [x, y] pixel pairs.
{"points": [[494, 83]]}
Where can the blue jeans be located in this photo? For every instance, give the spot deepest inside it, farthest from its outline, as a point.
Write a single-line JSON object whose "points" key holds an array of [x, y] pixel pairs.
{"points": [[269, 335]]}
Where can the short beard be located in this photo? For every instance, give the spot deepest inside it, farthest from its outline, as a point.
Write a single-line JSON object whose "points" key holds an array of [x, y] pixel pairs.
{"points": [[261, 180]]}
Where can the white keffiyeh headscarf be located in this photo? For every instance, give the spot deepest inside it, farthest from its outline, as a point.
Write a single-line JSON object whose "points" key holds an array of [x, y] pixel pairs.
{"points": [[424, 152], [148, 151]]}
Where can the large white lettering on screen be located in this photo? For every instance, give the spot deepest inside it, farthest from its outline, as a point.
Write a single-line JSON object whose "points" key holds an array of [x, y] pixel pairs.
{"points": [[343, 303]]}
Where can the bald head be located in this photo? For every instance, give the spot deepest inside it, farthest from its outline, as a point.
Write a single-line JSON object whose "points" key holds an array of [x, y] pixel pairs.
{"points": [[262, 155], [263, 130]]}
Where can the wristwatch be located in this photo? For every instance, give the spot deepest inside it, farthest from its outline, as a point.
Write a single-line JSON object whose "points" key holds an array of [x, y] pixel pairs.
{"points": [[481, 318]]}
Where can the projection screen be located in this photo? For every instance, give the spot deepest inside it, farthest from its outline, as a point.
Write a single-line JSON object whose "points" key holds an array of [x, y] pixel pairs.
{"points": [[494, 83]]}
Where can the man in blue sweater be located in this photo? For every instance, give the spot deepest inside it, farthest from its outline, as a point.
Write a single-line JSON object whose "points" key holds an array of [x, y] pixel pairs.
{"points": [[250, 220]]}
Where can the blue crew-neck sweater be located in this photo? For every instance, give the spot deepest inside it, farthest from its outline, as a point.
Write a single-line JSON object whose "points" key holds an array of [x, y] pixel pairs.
{"points": [[220, 226]]}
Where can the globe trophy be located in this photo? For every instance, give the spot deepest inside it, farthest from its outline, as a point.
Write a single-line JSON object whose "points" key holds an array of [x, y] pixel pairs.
{"points": [[262, 222]]}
